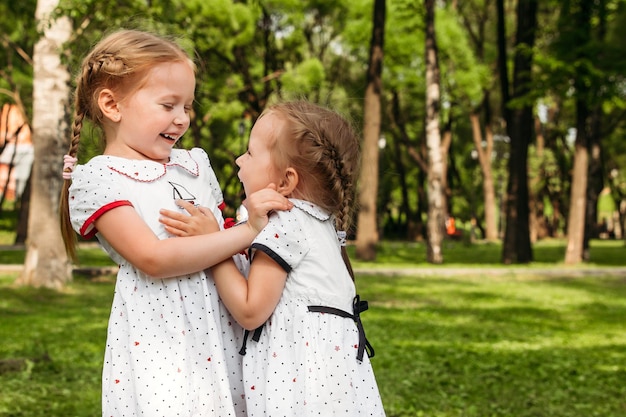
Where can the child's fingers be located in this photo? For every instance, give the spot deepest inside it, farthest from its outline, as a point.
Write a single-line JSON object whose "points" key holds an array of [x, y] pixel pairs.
{"points": [[174, 215], [266, 200], [184, 204], [260, 203], [175, 232], [204, 211], [195, 210]]}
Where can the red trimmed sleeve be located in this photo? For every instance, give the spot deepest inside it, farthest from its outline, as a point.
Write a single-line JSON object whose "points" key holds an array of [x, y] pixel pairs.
{"points": [[88, 229]]}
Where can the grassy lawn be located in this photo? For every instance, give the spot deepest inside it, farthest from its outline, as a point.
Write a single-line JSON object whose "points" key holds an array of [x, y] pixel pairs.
{"points": [[547, 253], [498, 346], [473, 345], [466, 346], [52, 348]]}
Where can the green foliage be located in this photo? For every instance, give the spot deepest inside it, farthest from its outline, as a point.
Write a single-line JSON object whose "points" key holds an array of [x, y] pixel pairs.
{"points": [[544, 171], [8, 225], [464, 77], [252, 53], [18, 36], [304, 78]]}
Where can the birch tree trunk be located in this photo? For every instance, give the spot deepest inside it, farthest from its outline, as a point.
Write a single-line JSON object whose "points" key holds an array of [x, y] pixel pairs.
{"points": [[436, 207], [367, 223], [46, 263]]}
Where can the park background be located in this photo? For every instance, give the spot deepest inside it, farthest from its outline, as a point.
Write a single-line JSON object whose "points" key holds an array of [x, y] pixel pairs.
{"points": [[492, 141]]}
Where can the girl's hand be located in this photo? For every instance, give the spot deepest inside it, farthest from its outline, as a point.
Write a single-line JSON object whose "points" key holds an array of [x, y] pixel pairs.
{"points": [[261, 203], [200, 220]]}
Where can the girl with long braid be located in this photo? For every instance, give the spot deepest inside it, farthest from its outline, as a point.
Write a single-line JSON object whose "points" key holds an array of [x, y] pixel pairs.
{"points": [[305, 344], [171, 346]]}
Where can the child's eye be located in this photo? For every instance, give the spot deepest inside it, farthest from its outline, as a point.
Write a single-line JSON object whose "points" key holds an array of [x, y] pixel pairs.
{"points": [[168, 106]]}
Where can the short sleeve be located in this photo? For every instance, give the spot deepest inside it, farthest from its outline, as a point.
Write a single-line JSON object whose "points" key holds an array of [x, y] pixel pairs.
{"points": [[283, 239], [93, 192]]}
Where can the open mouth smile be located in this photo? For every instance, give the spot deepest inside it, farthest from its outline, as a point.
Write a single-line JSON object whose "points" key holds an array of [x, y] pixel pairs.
{"points": [[169, 137]]}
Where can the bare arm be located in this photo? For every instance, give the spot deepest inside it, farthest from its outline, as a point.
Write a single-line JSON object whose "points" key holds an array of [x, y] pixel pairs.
{"points": [[250, 301], [131, 237]]}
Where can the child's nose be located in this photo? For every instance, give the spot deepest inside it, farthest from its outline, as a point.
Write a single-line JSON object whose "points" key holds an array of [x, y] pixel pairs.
{"points": [[182, 118]]}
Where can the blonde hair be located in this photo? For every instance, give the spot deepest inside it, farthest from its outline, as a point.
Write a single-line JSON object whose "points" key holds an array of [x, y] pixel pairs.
{"points": [[119, 62], [324, 149]]}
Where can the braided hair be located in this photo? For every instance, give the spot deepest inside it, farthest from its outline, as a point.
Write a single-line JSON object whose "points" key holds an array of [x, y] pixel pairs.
{"points": [[119, 62], [324, 148]]}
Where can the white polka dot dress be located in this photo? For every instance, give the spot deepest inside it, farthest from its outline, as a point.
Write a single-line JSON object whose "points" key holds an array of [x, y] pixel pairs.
{"points": [[172, 347], [305, 363]]}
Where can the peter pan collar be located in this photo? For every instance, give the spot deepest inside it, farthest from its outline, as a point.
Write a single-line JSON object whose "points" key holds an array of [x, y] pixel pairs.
{"points": [[147, 171], [311, 208]]}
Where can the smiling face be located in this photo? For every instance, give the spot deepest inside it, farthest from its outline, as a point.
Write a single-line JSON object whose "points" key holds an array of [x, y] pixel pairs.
{"points": [[147, 123], [256, 167]]}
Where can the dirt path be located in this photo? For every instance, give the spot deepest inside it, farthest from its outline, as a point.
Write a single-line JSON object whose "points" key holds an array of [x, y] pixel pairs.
{"points": [[427, 271]]}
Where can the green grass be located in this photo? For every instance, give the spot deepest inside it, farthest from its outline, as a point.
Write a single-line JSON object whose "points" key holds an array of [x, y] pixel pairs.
{"points": [[52, 348], [498, 346], [478, 345], [546, 252], [413, 254], [90, 255], [471, 346]]}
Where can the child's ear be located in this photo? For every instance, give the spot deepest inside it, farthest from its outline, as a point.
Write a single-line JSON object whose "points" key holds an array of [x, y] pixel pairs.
{"points": [[109, 105], [289, 182]]}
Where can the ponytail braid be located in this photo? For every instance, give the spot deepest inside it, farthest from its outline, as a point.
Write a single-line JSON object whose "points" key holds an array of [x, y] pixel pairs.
{"points": [[67, 232]]}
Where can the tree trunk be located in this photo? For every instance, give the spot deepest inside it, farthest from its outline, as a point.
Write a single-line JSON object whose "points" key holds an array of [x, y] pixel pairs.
{"points": [[436, 220], [537, 220], [405, 207], [516, 246], [578, 194], [484, 159], [367, 226], [46, 263], [595, 183], [578, 199], [445, 146], [24, 209], [415, 225], [595, 175]]}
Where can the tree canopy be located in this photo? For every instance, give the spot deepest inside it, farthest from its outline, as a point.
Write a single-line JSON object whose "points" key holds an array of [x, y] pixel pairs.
{"points": [[250, 53]]}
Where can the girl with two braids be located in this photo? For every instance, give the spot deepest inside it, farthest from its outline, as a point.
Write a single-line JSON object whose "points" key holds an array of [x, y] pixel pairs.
{"points": [[305, 347], [172, 347]]}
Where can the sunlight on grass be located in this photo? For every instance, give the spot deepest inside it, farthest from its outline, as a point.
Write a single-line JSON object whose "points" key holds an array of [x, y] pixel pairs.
{"points": [[52, 348], [449, 346], [498, 347], [545, 252]]}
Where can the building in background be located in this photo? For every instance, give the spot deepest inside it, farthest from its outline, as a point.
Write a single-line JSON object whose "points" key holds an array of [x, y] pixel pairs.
{"points": [[16, 152]]}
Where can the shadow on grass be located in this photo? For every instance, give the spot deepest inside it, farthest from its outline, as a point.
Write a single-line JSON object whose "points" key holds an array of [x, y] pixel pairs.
{"points": [[471, 346], [498, 347], [53, 343]]}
